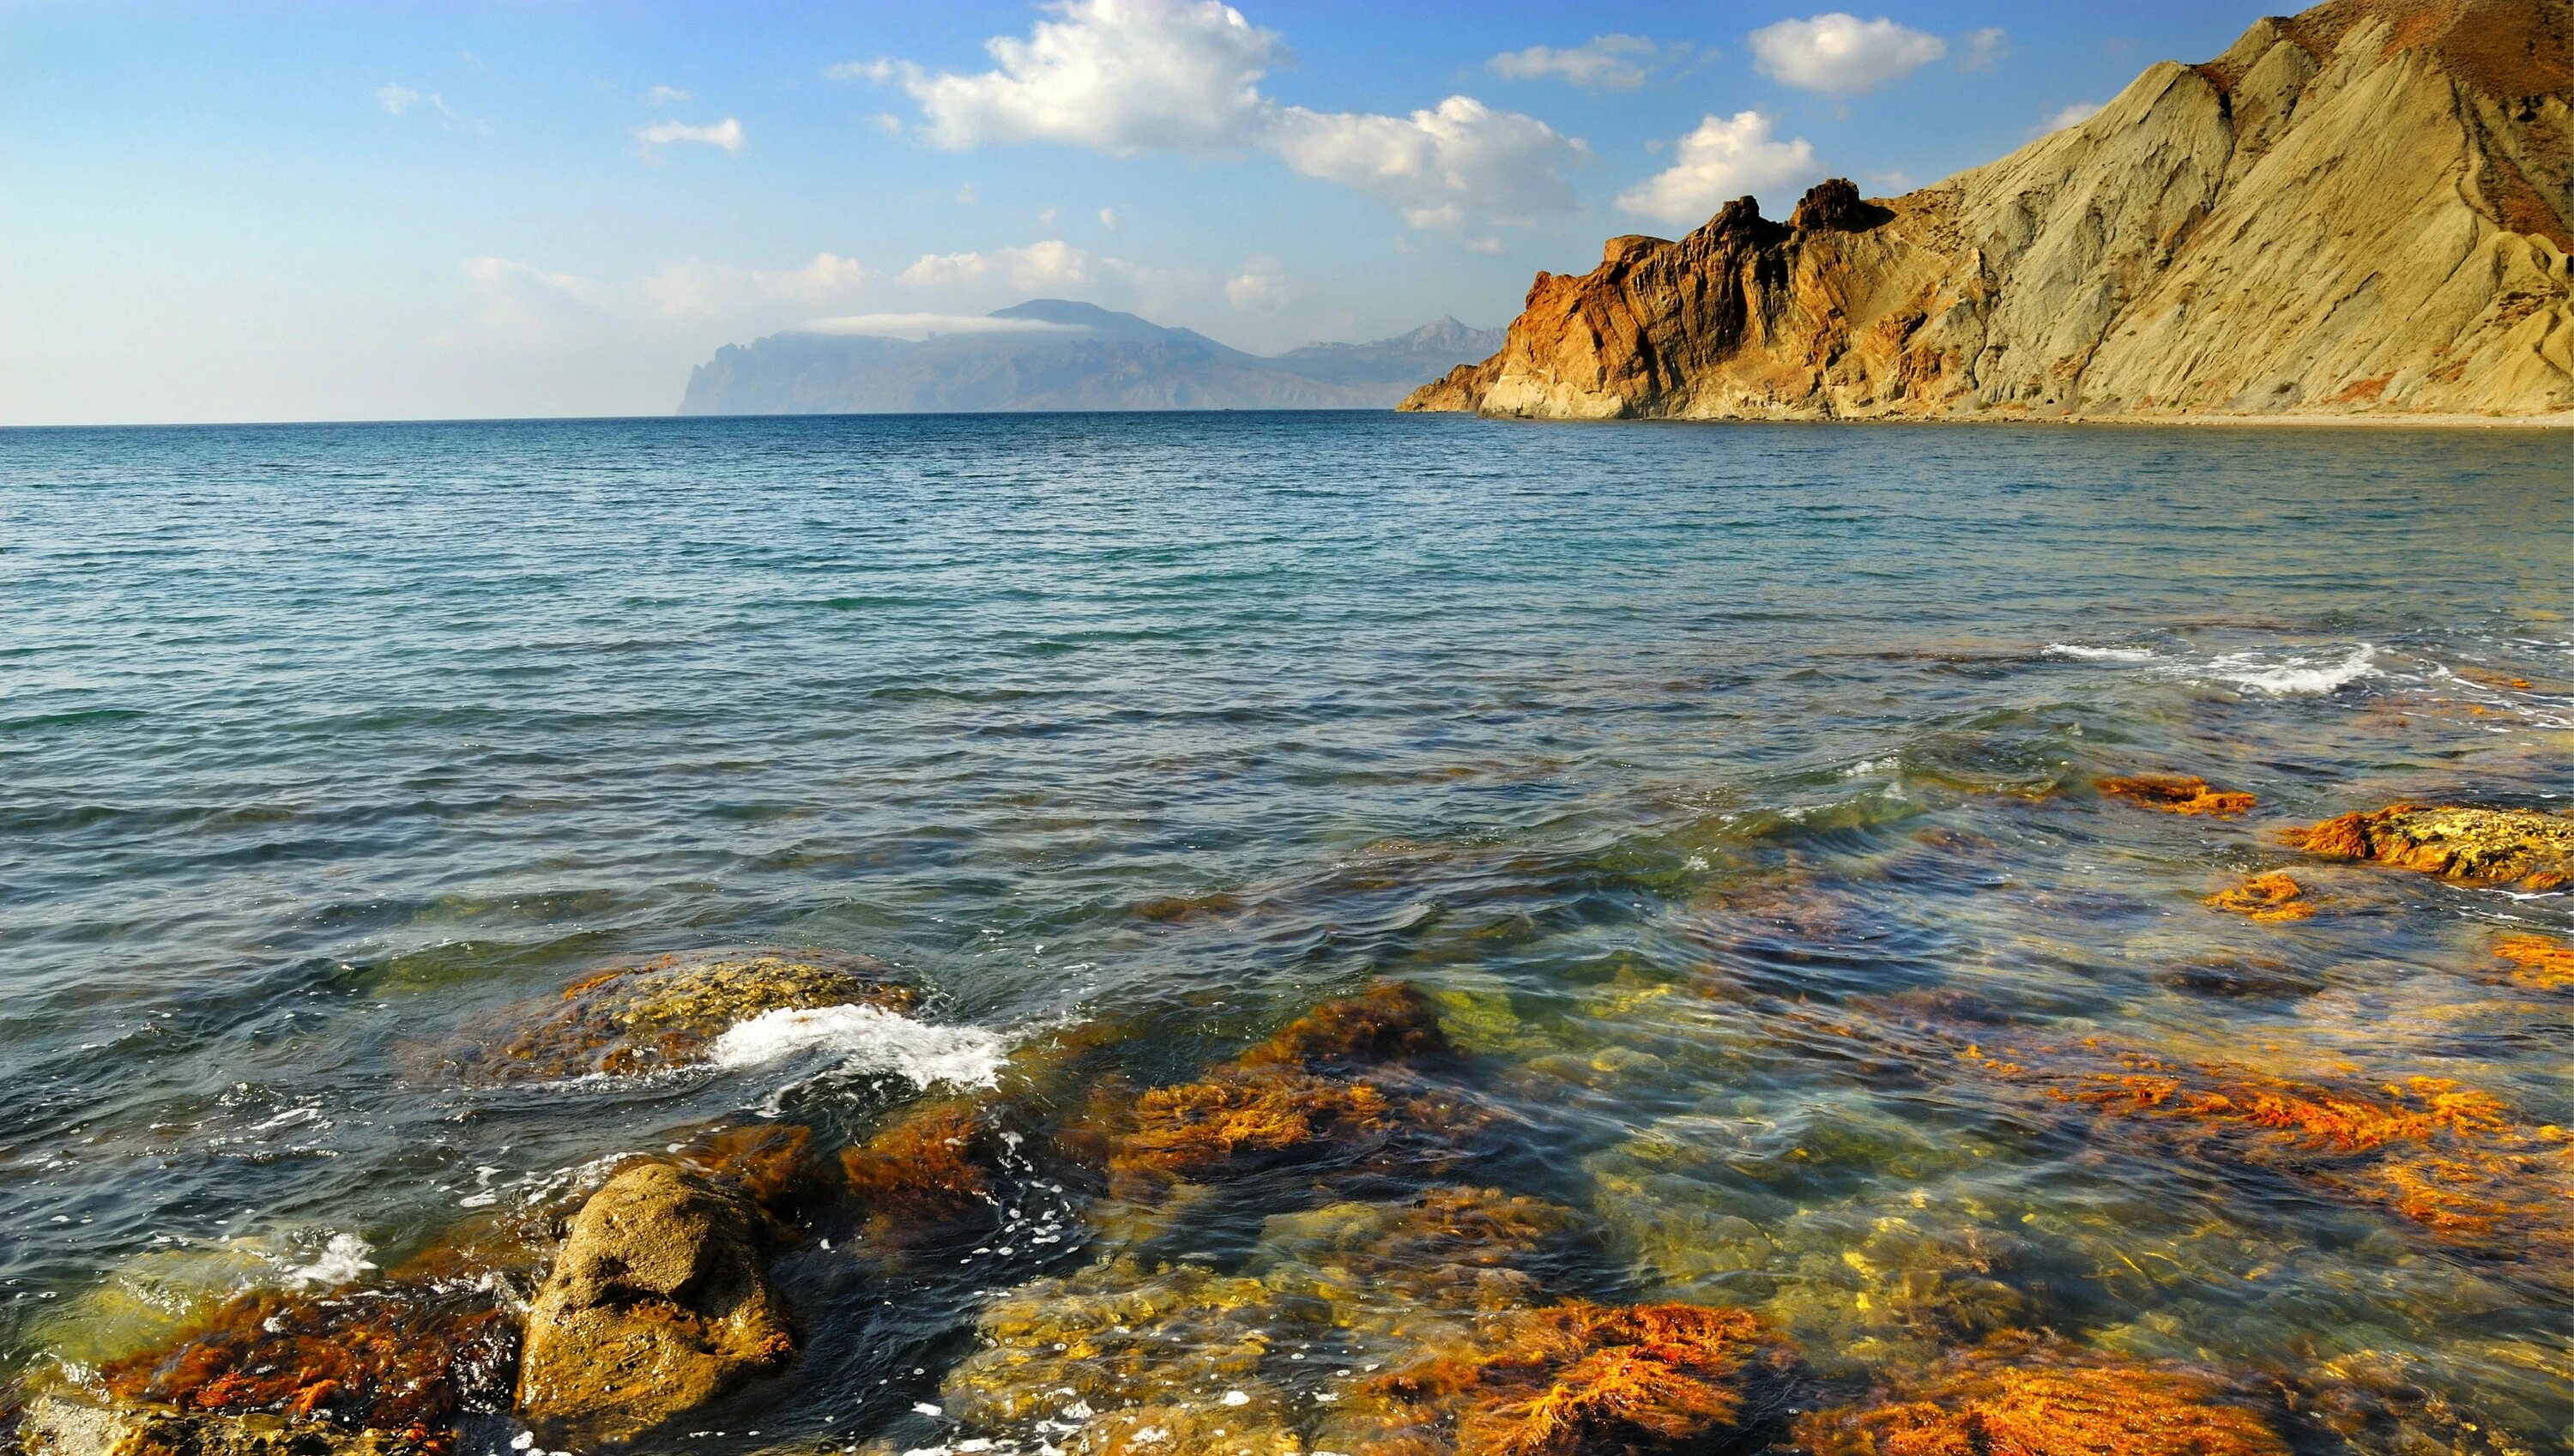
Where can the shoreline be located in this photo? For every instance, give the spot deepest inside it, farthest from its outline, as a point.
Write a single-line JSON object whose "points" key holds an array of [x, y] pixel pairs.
{"points": [[2560, 421]]}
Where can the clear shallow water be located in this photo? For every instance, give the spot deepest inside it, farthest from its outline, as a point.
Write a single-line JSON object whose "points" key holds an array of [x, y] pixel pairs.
{"points": [[1660, 757]]}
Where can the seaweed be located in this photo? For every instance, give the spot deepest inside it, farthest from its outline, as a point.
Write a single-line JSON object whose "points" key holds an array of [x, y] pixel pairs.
{"points": [[2026, 1395], [2172, 793]]}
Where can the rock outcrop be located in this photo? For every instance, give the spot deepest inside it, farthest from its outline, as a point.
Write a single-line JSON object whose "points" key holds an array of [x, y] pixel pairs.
{"points": [[2363, 209], [2454, 842], [659, 1303]]}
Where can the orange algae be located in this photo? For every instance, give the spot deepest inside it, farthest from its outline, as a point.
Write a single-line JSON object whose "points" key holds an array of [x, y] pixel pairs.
{"points": [[929, 1169], [1298, 1098], [1392, 1023], [2272, 896], [2540, 962], [2171, 793], [2451, 1160], [406, 1358], [2017, 1396], [1576, 1378], [2474, 846], [770, 1163]]}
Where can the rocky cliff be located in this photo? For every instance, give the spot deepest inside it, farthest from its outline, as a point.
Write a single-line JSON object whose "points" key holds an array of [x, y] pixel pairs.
{"points": [[2362, 209]]}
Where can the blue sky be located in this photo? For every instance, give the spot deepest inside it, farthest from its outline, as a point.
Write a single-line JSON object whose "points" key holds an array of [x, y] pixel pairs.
{"points": [[539, 207]]}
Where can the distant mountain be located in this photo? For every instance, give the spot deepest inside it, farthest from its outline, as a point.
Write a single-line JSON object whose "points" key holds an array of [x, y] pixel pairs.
{"points": [[1056, 354]]}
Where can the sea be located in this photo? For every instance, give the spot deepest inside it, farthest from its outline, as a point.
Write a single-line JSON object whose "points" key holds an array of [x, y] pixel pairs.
{"points": [[1731, 791]]}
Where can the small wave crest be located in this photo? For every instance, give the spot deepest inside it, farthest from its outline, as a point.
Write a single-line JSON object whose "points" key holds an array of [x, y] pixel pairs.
{"points": [[2082, 654], [867, 1041], [341, 1261], [2296, 677]]}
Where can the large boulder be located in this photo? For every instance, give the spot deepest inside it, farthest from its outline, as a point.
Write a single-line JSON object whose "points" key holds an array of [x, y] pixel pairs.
{"points": [[657, 1304]]}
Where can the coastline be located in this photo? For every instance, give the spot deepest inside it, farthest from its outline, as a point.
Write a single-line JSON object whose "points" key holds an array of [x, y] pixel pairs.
{"points": [[2560, 421]]}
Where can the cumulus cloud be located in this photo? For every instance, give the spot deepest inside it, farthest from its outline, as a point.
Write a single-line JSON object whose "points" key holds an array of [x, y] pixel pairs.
{"points": [[1984, 47], [916, 327], [1119, 75], [1109, 218], [1262, 287], [1601, 63], [665, 95], [1127, 76], [1841, 55], [726, 134], [396, 98], [1457, 162], [1037, 266], [2074, 115], [1726, 158]]}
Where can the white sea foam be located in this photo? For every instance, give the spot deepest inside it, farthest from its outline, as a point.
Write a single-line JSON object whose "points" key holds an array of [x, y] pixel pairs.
{"points": [[868, 1041], [343, 1259], [2296, 677], [2079, 653]]}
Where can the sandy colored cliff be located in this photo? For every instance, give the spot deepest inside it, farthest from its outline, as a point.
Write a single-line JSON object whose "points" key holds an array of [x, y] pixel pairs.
{"points": [[2365, 209]]}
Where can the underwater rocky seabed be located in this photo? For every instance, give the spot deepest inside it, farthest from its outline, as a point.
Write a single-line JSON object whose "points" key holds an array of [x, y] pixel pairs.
{"points": [[1918, 1041]]}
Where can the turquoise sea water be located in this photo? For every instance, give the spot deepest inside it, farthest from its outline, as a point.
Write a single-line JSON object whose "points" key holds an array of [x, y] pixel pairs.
{"points": [[1662, 757]]}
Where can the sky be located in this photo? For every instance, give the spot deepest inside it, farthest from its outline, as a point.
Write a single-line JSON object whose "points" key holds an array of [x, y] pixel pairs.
{"points": [[353, 210]]}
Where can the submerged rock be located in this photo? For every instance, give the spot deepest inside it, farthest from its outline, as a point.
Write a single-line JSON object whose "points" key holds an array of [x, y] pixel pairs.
{"points": [[1338, 1088], [657, 1304], [2472, 845], [58, 1427], [637, 1018], [2174, 795], [2030, 1397], [2272, 896], [2539, 962], [403, 1359]]}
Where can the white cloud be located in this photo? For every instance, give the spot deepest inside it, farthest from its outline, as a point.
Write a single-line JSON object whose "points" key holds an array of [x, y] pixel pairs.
{"points": [[922, 326], [509, 273], [523, 301], [1262, 287], [1984, 47], [1489, 247], [1051, 264], [1109, 218], [2074, 115], [1840, 54], [1437, 168], [726, 134], [1125, 76], [877, 71], [1118, 75], [701, 289], [665, 95], [1601, 63], [396, 98], [1724, 159]]}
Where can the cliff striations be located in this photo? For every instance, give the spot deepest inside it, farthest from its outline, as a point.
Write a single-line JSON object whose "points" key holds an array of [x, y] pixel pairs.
{"points": [[2362, 209]]}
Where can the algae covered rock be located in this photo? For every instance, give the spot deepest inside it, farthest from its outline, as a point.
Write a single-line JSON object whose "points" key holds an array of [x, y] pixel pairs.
{"points": [[2174, 795], [2471, 846], [57, 1427], [657, 1304], [403, 1359], [2029, 1397], [639, 1018]]}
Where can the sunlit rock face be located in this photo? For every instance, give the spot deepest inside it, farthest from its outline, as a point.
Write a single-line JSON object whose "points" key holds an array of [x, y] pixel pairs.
{"points": [[2362, 209]]}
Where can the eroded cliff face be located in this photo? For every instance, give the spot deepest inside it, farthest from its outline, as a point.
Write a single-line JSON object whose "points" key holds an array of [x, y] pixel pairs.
{"points": [[2363, 209]]}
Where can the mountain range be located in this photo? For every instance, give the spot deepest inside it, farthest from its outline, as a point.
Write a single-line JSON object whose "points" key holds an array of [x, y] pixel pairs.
{"points": [[1056, 354], [2362, 209]]}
